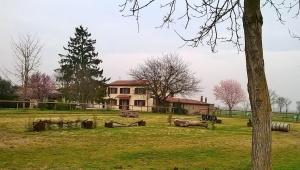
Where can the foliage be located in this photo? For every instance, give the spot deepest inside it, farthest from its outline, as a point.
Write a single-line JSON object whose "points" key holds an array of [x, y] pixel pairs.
{"points": [[56, 106], [166, 76], [178, 109], [7, 90], [46, 106], [41, 86], [230, 93], [80, 75]]}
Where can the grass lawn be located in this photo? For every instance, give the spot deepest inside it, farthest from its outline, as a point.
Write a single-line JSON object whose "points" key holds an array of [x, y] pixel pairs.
{"points": [[155, 146]]}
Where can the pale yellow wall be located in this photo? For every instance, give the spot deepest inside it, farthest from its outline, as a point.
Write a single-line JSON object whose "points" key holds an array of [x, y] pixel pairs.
{"points": [[132, 98]]}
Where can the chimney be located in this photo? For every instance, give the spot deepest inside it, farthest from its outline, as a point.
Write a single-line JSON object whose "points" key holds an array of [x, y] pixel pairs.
{"points": [[205, 100], [201, 99]]}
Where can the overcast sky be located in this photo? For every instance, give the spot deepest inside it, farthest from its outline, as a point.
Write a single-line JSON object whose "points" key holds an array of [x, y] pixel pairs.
{"points": [[122, 47]]}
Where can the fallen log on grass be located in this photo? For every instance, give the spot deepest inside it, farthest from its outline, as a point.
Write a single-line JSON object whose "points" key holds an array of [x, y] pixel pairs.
{"points": [[186, 123], [112, 124], [276, 126], [129, 114], [279, 126]]}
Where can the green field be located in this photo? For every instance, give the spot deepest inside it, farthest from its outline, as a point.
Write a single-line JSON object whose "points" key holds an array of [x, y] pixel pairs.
{"points": [[155, 146]]}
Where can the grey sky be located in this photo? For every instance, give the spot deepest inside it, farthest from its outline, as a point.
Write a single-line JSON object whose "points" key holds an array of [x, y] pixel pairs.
{"points": [[121, 47]]}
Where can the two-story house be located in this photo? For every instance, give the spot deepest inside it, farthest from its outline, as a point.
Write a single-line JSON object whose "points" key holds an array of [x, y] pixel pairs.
{"points": [[132, 95], [129, 94]]}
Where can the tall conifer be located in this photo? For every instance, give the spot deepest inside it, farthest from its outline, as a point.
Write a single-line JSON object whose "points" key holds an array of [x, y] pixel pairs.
{"points": [[80, 74]]}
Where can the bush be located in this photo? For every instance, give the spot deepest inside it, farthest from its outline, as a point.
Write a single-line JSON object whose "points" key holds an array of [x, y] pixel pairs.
{"points": [[46, 106], [180, 110], [64, 106], [8, 105]]}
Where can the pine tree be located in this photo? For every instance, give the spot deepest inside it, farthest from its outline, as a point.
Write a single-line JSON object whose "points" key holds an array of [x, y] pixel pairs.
{"points": [[80, 74]]}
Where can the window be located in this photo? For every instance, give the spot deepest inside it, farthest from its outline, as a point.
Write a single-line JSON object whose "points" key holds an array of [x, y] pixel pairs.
{"points": [[139, 91], [125, 90], [112, 102], [112, 90], [139, 102]]}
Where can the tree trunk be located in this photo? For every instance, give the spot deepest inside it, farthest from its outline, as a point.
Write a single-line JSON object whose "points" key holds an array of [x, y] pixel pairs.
{"points": [[230, 111], [257, 87]]}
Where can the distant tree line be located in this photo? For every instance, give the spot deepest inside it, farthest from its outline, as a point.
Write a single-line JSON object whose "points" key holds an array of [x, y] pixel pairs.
{"points": [[281, 102]]}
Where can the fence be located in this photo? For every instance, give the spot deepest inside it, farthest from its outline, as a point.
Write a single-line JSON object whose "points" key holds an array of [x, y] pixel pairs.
{"points": [[276, 116], [80, 106]]}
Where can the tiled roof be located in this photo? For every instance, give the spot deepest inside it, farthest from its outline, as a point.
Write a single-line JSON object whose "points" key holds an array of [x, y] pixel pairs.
{"points": [[185, 101], [128, 83]]}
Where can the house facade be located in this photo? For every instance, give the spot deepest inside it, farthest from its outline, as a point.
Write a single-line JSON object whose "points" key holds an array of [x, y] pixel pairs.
{"points": [[132, 95], [192, 106]]}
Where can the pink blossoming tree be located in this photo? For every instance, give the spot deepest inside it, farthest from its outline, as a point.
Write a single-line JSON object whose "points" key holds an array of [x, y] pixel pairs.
{"points": [[41, 86], [230, 93]]}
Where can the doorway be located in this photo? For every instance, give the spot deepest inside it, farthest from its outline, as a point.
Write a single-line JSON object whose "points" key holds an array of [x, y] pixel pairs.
{"points": [[124, 104]]}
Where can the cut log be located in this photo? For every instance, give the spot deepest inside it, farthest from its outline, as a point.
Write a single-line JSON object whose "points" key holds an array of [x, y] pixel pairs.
{"points": [[181, 123], [186, 123], [279, 126], [87, 124], [39, 125], [109, 124], [129, 114], [112, 124]]}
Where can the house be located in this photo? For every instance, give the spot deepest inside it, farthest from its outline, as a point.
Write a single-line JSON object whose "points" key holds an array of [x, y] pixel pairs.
{"points": [[130, 95], [133, 95], [192, 106]]}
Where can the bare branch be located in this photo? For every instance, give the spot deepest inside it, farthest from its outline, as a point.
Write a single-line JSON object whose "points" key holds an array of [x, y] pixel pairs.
{"points": [[166, 76], [214, 15], [27, 52]]}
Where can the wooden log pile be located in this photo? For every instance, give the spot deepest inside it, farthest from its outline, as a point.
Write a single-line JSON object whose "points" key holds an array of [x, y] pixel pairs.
{"points": [[187, 123], [45, 124], [112, 124], [129, 114]]}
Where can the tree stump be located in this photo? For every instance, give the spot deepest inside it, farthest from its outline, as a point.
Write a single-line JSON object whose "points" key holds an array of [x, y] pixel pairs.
{"points": [[141, 123], [109, 124], [39, 126], [87, 124]]}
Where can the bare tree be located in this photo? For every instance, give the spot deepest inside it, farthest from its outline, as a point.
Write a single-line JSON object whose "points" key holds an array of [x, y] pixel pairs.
{"points": [[287, 102], [273, 97], [214, 15], [280, 103], [298, 106], [166, 76], [27, 51], [230, 92]]}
